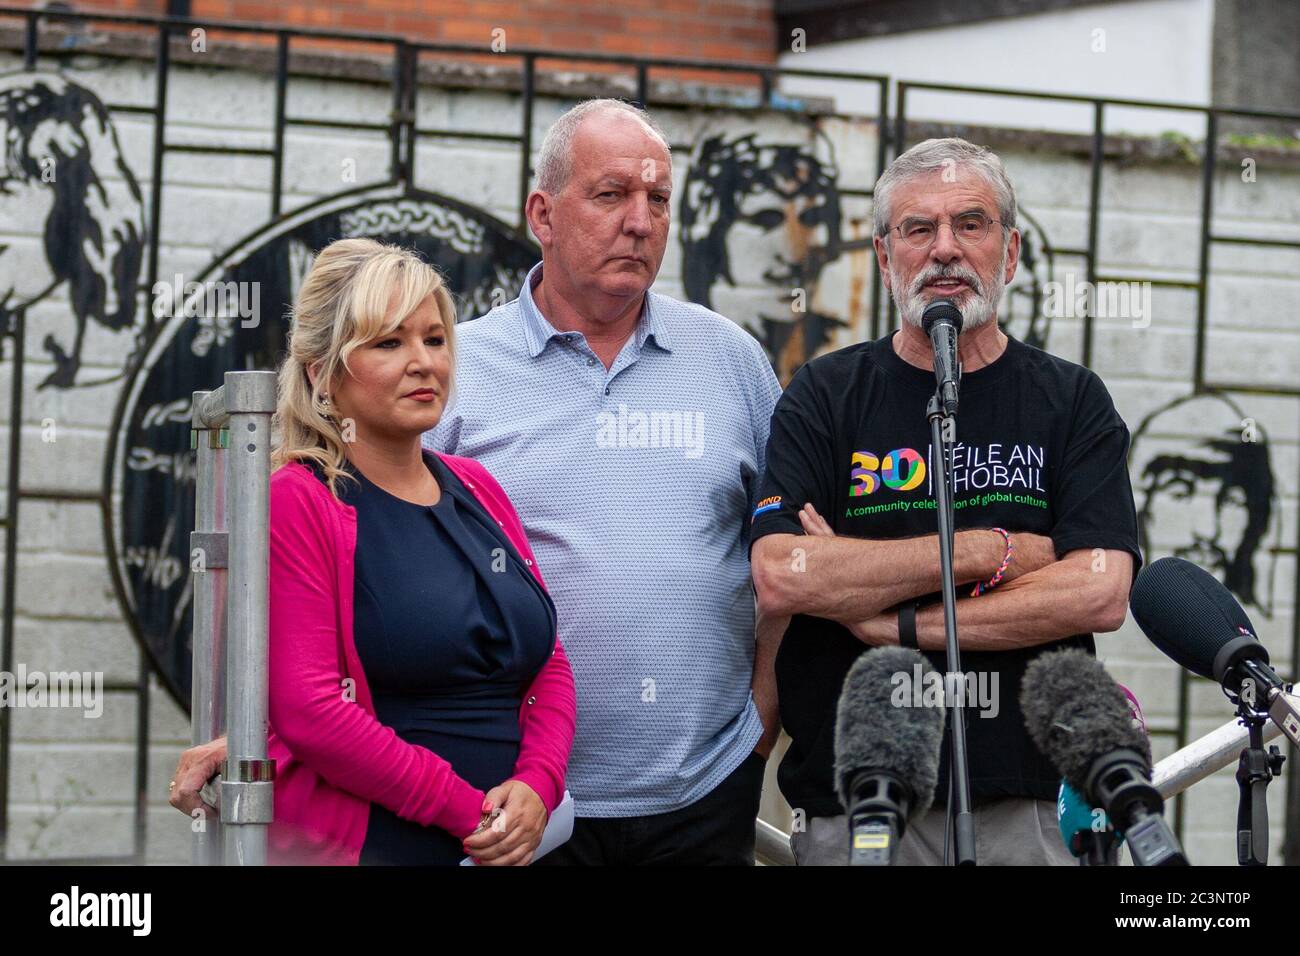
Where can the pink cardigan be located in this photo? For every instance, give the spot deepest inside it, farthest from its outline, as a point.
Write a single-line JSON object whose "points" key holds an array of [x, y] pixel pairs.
{"points": [[334, 758]]}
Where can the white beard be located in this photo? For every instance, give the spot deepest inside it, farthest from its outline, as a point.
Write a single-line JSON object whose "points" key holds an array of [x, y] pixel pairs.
{"points": [[977, 308]]}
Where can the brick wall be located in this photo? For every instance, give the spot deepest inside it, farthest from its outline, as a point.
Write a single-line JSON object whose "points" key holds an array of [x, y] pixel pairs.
{"points": [[728, 31]]}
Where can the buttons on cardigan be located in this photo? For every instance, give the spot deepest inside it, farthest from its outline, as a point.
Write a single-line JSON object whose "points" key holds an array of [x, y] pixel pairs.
{"points": [[532, 700], [500, 523], [528, 561]]}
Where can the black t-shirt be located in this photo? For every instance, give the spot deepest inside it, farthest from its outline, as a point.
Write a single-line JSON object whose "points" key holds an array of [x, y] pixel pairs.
{"points": [[1040, 448]]}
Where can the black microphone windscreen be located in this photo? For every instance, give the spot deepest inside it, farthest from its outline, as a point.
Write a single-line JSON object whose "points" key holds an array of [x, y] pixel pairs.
{"points": [[941, 310], [1187, 613], [878, 728], [1075, 713]]}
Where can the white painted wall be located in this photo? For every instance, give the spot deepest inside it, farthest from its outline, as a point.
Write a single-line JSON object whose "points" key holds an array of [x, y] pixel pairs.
{"points": [[1149, 50]]}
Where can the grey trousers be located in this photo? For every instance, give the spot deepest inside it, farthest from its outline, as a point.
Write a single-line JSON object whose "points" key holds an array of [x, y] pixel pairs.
{"points": [[1012, 831]]}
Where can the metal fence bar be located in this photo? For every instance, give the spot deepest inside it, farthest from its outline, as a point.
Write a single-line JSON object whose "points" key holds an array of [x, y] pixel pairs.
{"points": [[1291, 834], [1203, 261], [1193, 762], [16, 341], [205, 148], [1094, 220], [209, 542], [281, 94], [526, 138], [1108, 100], [140, 831], [29, 42], [882, 154], [161, 62], [1251, 241]]}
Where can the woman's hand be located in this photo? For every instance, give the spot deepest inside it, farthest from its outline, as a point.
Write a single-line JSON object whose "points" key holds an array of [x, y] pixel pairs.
{"points": [[197, 765], [513, 837]]}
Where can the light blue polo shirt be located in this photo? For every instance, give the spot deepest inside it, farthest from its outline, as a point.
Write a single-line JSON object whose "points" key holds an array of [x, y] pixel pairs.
{"points": [[635, 485]]}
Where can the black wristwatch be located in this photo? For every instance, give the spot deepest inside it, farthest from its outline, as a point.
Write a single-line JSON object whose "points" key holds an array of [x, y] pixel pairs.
{"points": [[907, 625]]}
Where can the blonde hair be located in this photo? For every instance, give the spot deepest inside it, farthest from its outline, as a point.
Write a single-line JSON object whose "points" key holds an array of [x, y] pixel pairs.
{"points": [[356, 291]]}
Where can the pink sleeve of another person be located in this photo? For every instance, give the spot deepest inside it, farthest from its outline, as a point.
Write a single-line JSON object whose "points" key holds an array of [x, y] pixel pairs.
{"points": [[310, 710]]}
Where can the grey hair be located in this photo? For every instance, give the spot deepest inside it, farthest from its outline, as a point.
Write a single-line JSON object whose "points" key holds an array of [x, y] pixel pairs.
{"points": [[936, 154], [554, 159]]}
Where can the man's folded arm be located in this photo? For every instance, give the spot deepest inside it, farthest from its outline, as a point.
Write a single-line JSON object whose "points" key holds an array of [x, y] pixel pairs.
{"points": [[1084, 592], [849, 579]]}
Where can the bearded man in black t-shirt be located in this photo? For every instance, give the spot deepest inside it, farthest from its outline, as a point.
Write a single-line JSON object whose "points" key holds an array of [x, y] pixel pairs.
{"points": [[845, 542]]}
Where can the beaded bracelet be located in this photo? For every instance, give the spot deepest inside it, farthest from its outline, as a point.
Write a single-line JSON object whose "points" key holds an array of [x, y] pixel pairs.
{"points": [[994, 581]]}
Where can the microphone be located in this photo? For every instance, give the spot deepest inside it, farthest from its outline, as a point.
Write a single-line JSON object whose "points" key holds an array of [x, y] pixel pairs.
{"points": [[886, 750], [1197, 622], [941, 321], [1086, 832], [1077, 715]]}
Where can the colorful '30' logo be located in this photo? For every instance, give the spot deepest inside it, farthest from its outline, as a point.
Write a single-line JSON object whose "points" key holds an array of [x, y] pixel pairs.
{"points": [[903, 469]]}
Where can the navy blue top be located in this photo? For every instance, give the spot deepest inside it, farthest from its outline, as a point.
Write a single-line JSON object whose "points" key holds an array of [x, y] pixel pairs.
{"points": [[451, 627]]}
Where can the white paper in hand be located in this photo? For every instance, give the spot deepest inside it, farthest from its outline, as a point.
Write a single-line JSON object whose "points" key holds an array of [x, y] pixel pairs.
{"points": [[558, 830]]}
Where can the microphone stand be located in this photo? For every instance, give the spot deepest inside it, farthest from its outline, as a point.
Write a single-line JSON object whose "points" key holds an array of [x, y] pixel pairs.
{"points": [[1097, 848], [1255, 770], [961, 821]]}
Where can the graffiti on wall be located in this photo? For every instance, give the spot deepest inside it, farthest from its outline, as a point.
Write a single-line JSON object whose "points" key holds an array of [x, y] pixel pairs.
{"points": [[74, 208], [763, 215], [153, 466], [1212, 500], [763, 230], [765, 218]]}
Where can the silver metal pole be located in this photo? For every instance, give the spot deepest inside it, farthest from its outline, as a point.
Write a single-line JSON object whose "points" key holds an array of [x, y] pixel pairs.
{"points": [[772, 845], [1203, 757], [208, 648], [246, 786]]}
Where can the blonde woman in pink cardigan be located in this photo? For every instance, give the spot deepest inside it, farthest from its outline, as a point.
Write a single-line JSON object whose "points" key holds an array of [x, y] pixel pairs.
{"points": [[417, 684]]}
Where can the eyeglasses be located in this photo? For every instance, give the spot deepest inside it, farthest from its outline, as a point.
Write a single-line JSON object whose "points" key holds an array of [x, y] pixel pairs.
{"points": [[970, 228]]}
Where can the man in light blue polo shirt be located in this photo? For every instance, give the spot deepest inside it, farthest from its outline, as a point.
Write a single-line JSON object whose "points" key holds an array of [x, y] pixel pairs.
{"points": [[629, 430]]}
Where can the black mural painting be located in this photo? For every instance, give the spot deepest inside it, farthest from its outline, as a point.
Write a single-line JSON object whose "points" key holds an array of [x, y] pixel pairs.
{"points": [[787, 197], [1217, 497], [769, 214], [65, 180], [485, 263], [754, 215]]}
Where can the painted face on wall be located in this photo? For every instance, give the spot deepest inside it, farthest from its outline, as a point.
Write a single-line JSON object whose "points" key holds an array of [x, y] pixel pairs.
{"points": [[759, 225], [25, 271], [1205, 491], [66, 190], [782, 232]]}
